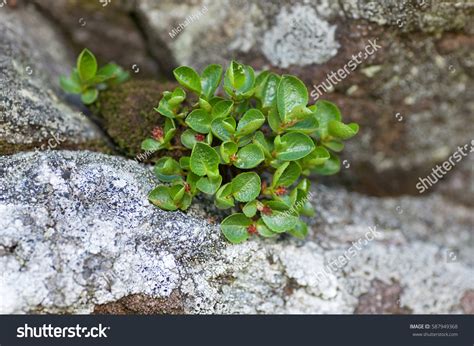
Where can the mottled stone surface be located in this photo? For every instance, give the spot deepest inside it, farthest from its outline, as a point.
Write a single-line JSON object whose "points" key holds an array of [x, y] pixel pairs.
{"points": [[412, 96], [77, 234], [32, 57]]}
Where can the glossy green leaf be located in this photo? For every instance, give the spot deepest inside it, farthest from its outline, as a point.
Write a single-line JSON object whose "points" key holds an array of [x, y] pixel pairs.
{"points": [[250, 122], [227, 150], [300, 230], [210, 79], [334, 145], [234, 228], [222, 109], [286, 174], [330, 166], [246, 186], [291, 93], [266, 90], [188, 77], [160, 196], [223, 128], [199, 120], [279, 221], [168, 170], [204, 160], [89, 96], [262, 142], [86, 65], [264, 231], [69, 85], [209, 185], [250, 208], [150, 144], [249, 156], [294, 146], [325, 112], [317, 157], [224, 199], [340, 130]]}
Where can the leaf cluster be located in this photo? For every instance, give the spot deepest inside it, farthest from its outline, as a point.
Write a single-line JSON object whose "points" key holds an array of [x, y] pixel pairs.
{"points": [[251, 147], [87, 79]]}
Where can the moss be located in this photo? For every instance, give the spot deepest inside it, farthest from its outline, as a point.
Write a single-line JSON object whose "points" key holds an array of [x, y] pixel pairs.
{"points": [[126, 112], [92, 145]]}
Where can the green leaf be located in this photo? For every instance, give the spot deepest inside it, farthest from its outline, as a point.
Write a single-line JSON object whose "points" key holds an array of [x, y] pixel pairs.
{"points": [[264, 231], [69, 85], [205, 105], [227, 149], [330, 166], [224, 199], [246, 186], [279, 221], [249, 156], [165, 109], [308, 125], [251, 121], [199, 120], [266, 90], [86, 65], [209, 185], [294, 146], [234, 228], [236, 74], [184, 162], [187, 77], [340, 130], [177, 192], [250, 209], [291, 93], [262, 142], [317, 157], [222, 109], [223, 128], [274, 120], [150, 144], [286, 174], [300, 231], [168, 170], [334, 145], [325, 112], [177, 97], [189, 138], [160, 197], [204, 160], [239, 80], [170, 130], [89, 96], [210, 79]]}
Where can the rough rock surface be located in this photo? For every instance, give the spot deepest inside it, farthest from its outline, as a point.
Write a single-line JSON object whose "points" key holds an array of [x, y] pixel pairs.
{"points": [[32, 57], [77, 234], [411, 96]]}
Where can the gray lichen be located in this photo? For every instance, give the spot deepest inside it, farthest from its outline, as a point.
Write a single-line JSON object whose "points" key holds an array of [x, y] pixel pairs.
{"points": [[77, 232]]}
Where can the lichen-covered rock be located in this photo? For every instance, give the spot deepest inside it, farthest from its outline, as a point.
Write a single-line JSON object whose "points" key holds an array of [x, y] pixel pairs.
{"points": [[77, 235], [411, 96], [32, 57], [127, 112]]}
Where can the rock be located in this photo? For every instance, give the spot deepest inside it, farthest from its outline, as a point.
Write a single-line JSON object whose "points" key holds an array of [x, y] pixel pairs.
{"points": [[410, 96], [127, 112], [77, 235], [107, 28], [31, 115]]}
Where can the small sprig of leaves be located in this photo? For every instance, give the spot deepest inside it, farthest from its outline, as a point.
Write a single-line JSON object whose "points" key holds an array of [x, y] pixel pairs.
{"points": [[252, 149], [87, 79]]}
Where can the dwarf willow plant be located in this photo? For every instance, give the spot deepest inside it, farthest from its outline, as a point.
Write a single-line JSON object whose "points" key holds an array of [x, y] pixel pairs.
{"points": [[87, 79], [251, 149]]}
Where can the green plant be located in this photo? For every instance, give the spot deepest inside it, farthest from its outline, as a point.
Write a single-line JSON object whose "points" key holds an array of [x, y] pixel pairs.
{"points": [[87, 79], [249, 149]]}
